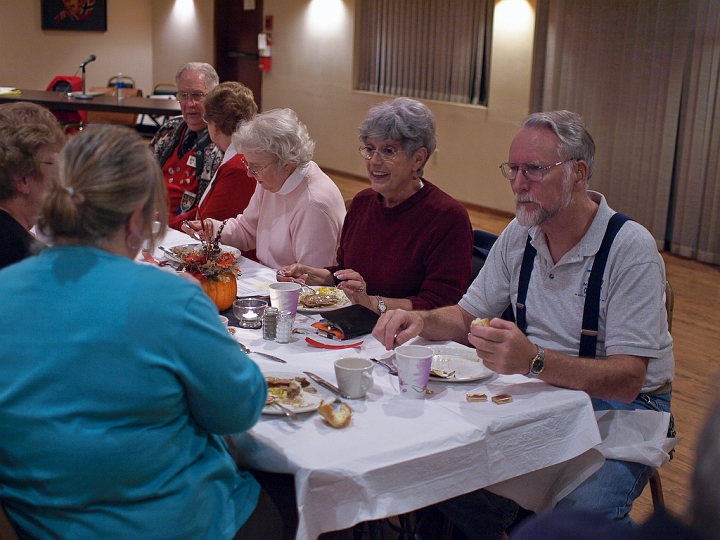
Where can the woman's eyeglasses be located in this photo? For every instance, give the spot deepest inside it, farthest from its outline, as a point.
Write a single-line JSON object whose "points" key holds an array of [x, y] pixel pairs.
{"points": [[386, 154], [252, 169]]}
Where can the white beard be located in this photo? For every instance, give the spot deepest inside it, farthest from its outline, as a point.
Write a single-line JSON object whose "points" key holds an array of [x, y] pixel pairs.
{"points": [[529, 219]]}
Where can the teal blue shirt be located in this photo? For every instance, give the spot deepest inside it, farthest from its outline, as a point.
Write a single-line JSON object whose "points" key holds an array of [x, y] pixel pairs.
{"points": [[116, 380]]}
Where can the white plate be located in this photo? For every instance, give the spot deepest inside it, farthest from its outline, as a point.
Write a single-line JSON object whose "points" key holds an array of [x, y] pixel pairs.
{"points": [[235, 251], [463, 361], [312, 401], [306, 310]]}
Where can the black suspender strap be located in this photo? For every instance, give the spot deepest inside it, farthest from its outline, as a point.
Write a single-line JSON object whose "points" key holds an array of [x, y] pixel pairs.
{"points": [[525, 271], [591, 312]]}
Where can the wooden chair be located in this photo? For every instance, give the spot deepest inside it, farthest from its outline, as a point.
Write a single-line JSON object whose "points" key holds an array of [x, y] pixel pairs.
{"points": [[6, 530], [656, 490], [129, 82]]}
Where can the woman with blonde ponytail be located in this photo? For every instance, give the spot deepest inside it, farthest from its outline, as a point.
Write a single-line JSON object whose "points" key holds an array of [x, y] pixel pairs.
{"points": [[113, 402]]}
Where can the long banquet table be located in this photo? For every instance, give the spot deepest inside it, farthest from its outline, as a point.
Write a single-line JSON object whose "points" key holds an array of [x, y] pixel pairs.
{"points": [[61, 101], [399, 455]]}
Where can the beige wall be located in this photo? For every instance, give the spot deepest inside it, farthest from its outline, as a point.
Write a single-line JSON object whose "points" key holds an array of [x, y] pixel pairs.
{"points": [[180, 37], [312, 73], [31, 57]]}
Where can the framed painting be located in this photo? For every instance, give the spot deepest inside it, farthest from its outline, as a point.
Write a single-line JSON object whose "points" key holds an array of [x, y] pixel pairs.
{"points": [[74, 15]]}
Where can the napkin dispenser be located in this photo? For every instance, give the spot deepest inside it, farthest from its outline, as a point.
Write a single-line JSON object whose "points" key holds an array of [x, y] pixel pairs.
{"points": [[351, 321]]}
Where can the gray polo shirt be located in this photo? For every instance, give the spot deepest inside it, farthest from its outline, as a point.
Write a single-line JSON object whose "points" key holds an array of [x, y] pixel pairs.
{"points": [[633, 319]]}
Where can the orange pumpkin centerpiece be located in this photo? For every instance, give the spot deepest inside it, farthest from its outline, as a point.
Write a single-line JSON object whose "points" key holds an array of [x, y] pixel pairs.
{"points": [[216, 270]]}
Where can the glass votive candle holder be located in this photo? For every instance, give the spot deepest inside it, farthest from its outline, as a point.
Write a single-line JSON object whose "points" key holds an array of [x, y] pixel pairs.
{"points": [[249, 312]]}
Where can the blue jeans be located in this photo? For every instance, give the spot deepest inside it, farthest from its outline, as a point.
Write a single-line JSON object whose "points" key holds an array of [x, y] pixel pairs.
{"points": [[613, 488]]}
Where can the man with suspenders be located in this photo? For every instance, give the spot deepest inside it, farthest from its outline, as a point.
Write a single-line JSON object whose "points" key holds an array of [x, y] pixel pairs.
{"points": [[603, 332]]}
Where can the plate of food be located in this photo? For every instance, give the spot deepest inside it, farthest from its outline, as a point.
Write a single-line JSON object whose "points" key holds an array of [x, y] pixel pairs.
{"points": [[294, 391], [457, 364], [325, 299]]}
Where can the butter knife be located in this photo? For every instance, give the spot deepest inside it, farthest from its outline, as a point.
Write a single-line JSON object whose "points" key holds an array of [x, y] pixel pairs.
{"points": [[322, 382]]}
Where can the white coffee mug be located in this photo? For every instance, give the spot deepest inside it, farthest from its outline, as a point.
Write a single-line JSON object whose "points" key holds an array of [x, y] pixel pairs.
{"points": [[354, 376], [285, 296], [413, 363]]}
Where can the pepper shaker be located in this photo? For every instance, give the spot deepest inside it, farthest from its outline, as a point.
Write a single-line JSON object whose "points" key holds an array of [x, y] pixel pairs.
{"points": [[270, 323]]}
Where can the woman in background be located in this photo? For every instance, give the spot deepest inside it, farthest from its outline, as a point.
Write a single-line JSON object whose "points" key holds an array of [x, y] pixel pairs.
{"points": [[111, 415], [226, 107], [405, 243], [296, 211], [30, 138]]}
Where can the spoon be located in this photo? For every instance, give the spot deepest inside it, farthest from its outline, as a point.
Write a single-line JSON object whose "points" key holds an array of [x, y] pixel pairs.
{"points": [[246, 350], [272, 400]]}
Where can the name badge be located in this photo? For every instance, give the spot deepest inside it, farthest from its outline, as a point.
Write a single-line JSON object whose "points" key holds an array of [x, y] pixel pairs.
{"points": [[187, 201], [191, 161]]}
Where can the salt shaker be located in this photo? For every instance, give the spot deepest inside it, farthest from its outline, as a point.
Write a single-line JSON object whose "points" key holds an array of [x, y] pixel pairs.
{"points": [[284, 327], [270, 323]]}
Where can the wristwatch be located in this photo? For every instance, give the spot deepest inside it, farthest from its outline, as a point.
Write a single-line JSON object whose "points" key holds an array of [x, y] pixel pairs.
{"points": [[382, 308], [537, 364]]}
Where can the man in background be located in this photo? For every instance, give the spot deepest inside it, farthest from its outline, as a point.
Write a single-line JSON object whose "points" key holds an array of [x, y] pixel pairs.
{"points": [[187, 156]]}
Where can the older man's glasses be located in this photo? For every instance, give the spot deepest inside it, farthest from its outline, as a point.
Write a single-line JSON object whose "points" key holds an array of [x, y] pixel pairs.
{"points": [[252, 169], [195, 97], [386, 154], [534, 173]]}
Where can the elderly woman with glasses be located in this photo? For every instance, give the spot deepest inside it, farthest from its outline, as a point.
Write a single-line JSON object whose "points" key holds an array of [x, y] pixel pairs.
{"points": [[226, 107], [30, 138], [405, 243], [296, 211]]}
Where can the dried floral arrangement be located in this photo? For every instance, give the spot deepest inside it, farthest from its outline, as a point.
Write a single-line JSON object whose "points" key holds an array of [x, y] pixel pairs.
{"points": [[207, 260]]}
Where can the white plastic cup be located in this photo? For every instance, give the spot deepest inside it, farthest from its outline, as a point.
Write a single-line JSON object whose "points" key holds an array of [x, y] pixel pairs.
{"points": [[285, 296], [223, 320], [413, 363], [354, 376]]}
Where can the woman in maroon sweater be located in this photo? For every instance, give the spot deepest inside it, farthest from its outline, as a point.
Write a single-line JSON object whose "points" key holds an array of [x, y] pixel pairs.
{"points": [[405, 243], [230, 189]]}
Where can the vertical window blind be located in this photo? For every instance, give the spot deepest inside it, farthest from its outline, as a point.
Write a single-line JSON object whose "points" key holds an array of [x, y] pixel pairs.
{"points": [[425, 49]]}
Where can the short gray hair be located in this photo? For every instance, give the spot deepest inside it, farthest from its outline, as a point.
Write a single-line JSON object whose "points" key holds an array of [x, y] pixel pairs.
{"points": [[101, 177], [20, 148], [277, 133], [575, 140], [402, 119], [211, 76]]}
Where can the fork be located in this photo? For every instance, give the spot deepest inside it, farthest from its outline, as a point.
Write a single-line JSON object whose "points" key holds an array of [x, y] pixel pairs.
{"points": [[272, 400], [392, 370], [303, 286]]}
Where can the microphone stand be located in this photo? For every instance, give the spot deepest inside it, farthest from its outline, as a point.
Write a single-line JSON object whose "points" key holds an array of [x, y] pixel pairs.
{"points": [[83, 95]]}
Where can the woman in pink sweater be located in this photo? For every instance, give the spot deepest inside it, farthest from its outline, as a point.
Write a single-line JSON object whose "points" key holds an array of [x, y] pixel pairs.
{"points": [[296, 211], [405, 243]]}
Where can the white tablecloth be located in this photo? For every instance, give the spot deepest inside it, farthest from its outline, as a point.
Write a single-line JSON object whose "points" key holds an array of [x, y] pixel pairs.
{"points": [[398, 455]]}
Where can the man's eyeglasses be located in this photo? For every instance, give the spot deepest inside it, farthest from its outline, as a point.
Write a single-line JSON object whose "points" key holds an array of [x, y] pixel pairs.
{"points": [[196, 97], [386, 154], [255, 171], [534, 173]]}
